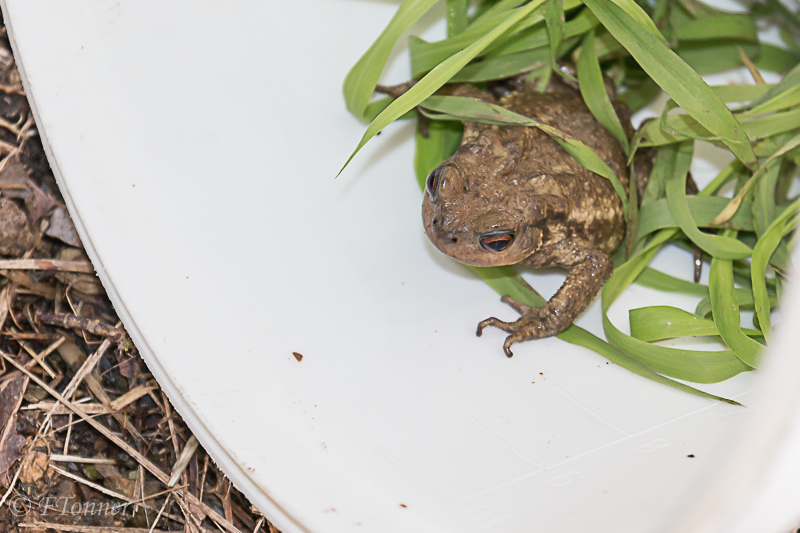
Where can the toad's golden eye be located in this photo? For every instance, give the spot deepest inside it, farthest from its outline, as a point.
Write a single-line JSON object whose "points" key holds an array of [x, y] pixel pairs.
{"points": [[496, 241], [432, 183]]}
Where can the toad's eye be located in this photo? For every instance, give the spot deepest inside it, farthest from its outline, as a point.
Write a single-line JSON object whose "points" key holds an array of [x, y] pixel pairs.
{"points": [[432, 183], [496, 241]]}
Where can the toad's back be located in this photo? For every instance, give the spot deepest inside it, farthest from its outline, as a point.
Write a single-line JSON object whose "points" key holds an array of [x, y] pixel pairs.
{"points": [[596, 211]]}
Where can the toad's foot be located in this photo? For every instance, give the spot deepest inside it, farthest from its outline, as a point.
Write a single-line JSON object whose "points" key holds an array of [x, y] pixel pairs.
{"points": [[535, 323], [588, 266]]}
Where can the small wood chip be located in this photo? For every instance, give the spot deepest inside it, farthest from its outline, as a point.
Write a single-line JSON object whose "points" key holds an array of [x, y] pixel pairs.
{"points": [[183, 461], [75, 459], [59, 410], [130, 397], [46, 264], [64, 320], [95, 486]]}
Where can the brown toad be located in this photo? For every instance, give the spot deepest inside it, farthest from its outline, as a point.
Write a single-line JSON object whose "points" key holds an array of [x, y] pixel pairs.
{"points": [[511, 195]]}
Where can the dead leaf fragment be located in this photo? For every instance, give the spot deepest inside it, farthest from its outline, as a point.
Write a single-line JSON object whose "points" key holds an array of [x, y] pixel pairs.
{"points": [[11, 393], [128, 369], [23, 279], [15, 235], [126, 486], [106, 470], [33, 467], [14, 176], [16, 183], [62, 228], [85, 283], [10, 452]]}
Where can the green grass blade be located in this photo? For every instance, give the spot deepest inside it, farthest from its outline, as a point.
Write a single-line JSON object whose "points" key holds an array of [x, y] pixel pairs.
{"points": [[438, 77], [784, 100], [744, 299], [607, 47], [703, 210], [655, 279], [456, 16], [774, 59], [505, 66], [682, 83], [362, 78], [537, 37], [662, 322], [638, 14], [581, 337], [734, 204], [727, 27], [473, 110], [741, 93], [593, 90], [714, 245], [643, 95], [426, 56], [772, 124], [711, 57], [498, 9], [691, 365], [677, 128], [443, 140], [732, 171], [764, 207], [767, 147], [787, 15], [700, 10], [662, 170], [763, 250], [726, 313], [791, 79], [554, 19]]}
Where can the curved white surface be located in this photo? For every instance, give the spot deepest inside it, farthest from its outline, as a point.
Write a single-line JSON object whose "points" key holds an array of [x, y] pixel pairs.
{"points": [[196, 144]]}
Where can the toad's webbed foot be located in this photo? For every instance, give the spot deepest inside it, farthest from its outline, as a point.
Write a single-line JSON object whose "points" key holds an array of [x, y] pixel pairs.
{"points": [[535, 323], [588, 266]]}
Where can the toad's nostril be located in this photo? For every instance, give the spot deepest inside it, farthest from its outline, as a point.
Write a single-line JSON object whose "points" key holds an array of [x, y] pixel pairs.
{"points": [[496, 241], [449, 236]]}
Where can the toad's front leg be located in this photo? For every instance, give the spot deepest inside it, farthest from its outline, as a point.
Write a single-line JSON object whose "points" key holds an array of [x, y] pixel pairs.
{"points": [[589, 267]]}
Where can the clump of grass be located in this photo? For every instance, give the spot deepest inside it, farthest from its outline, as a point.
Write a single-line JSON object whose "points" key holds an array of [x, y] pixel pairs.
{"points": [[647, 47]]}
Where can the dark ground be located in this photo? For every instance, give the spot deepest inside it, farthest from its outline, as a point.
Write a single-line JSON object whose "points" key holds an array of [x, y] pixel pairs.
{"points": [[59, 471]]}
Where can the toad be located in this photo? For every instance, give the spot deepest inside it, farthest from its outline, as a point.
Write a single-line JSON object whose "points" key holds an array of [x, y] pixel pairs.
{"points": [[511, 195]]}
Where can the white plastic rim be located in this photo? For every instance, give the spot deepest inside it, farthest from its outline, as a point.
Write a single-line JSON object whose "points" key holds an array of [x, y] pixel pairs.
{"points": [[195, 143]]}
